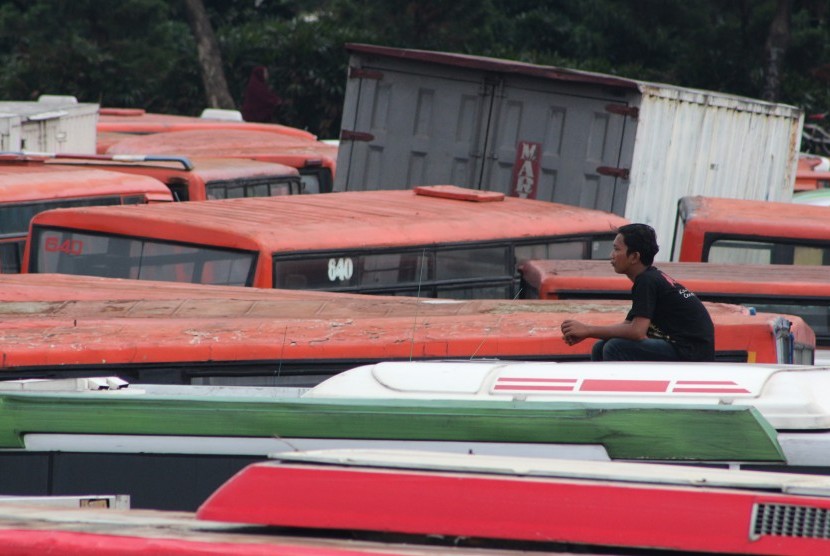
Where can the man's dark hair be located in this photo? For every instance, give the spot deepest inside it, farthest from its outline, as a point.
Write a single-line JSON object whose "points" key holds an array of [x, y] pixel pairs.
{"points": [[640, 238]]}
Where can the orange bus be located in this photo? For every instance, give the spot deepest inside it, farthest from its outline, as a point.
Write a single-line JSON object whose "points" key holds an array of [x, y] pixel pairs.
{"points": [[315, 160], [813, 172], [139, 121], [69, 326], [29, 188], [436, 241], [802, 290], [196, 179], [713, 229]]}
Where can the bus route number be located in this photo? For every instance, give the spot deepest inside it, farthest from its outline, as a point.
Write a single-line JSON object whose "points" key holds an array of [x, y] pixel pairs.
{"points": [[340, 269], [68, 246]]}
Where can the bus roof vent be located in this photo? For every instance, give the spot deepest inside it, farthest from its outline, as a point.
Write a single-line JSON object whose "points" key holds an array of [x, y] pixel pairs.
{"points": [[789, 520], [222, 114], [459, 193]]}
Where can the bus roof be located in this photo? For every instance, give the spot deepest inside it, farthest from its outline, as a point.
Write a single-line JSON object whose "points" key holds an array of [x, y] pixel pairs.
{"points": [[209, 143], [23, 182], [340, 220], [745, 217], [137, 120], [209, 168], [550, 277], [109, 322]]}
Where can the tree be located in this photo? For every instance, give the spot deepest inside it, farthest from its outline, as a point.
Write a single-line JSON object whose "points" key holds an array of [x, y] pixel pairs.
{"points": [[210, 58], [775, 50]]}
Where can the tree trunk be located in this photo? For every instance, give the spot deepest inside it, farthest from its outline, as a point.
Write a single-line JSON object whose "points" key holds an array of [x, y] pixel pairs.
{"points": [[775, 49], [217, 93]]}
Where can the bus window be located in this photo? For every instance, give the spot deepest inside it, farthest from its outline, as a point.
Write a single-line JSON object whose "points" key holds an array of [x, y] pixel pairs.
{"points": [[473, 262], [734, 251], [252, 188], [123, 257], [739, 251], [180, 189], [11, 256], [573, 249]]}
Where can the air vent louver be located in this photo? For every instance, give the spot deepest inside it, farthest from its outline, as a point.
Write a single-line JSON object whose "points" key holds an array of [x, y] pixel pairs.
{"points": [[786, 520]]}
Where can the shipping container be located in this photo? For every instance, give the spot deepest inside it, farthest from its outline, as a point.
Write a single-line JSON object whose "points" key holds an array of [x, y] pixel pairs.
{"points": [[414, 117], [53, 123]]}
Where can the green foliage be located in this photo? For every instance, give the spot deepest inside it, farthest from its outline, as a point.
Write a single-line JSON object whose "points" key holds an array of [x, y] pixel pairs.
{"points": [[140, 53]]}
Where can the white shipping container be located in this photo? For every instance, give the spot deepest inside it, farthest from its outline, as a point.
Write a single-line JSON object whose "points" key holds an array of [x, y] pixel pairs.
{"points": [[415, 117], [9, 132], [52, 124]]}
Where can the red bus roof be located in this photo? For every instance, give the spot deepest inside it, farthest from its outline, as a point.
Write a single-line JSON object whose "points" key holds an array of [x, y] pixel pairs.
{"points": [[338, 220], [24, 182], [750, 217], [137, 120], [236, 143], [813, 172], [208, 168], [551, 277], [162, 323]]}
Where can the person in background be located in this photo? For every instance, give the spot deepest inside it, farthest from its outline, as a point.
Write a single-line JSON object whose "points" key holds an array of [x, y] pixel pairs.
{"points": [[667, 322], [259, 102]]}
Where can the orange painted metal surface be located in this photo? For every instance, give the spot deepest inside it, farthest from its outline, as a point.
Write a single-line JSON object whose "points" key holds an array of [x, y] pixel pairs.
{"points": [[339, 220], [811, 173], [347, 220], [106, 322], [761, 219], [139, 121], [294, 151], [22, 182], [205, 170], [551, 277]]}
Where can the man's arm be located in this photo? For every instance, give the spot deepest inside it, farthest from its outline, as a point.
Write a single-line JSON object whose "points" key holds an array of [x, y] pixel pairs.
{"points": [[574, 331]]}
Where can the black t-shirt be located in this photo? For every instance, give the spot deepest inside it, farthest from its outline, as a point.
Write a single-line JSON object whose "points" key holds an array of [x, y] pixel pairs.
{"points": [[676, 315]]}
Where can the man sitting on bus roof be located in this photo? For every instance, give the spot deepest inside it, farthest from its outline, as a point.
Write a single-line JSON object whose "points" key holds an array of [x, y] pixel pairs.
{"points": [[666, 322]]}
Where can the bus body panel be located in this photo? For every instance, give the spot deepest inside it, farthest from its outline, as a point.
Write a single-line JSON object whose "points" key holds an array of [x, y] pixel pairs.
{"points": [[800, 290], [139, 121], [301, 153], [70, 325], [703, 220], [27, 189], [206, 174], [333, 229]]}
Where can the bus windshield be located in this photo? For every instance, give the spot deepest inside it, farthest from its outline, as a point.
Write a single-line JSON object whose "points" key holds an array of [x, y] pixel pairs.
{"points": [[74, 252]]}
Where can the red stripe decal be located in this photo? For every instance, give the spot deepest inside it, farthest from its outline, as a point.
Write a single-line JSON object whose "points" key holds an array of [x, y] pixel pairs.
{"points": [[606, 385], [529, 387], [713, 382], [511, 379], [712, 390]]}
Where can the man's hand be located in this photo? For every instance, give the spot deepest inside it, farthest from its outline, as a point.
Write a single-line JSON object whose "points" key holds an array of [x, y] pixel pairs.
{"points": [[573, 332]]}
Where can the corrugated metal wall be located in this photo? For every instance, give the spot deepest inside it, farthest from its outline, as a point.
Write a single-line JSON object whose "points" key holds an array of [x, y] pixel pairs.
{"points": [[692, 142], [52, 126], [9, 131]]}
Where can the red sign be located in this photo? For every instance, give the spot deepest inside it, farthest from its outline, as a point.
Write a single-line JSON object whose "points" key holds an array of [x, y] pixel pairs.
{"points": [[526, 170]]}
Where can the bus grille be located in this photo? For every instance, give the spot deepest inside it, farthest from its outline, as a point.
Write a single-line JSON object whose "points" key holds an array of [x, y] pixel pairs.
{"points": [[787, 520]]}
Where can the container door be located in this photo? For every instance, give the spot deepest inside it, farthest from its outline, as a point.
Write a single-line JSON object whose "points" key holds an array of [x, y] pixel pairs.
{"points": [[555, 144], [406, 128]]}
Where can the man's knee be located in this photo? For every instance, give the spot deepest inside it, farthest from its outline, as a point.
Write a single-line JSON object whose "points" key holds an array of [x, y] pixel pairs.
{"points": [[615, 350], [597, 351]]}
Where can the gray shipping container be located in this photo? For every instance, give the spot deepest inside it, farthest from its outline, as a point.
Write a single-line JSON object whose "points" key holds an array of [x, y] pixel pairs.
{"points": [[414, 117]]}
